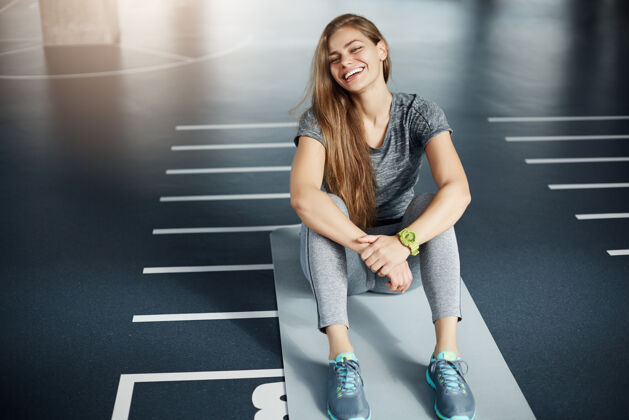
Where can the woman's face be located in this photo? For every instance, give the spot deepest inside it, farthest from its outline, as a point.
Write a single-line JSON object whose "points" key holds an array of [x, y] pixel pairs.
{"points": [[351, 51]]}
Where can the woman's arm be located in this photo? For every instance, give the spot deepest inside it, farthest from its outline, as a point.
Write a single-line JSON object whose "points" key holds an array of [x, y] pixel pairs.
{"points": [[315, 207], [317, 210], [453, 197]]}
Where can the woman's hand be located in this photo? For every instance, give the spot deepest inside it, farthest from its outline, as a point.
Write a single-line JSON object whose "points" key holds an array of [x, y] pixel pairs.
{"points": [[401, 278], [383, 253]]}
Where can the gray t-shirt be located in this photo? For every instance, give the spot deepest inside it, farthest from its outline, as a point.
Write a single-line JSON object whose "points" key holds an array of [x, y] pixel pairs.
{"points": [[414, 121]]}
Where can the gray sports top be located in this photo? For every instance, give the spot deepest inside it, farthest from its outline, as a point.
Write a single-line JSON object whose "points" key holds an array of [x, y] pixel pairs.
{"points": [[413, 122]]}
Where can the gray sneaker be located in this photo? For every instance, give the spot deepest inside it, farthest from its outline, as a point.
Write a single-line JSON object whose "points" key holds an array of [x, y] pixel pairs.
{"points": [[346, 394], [453, 396]]}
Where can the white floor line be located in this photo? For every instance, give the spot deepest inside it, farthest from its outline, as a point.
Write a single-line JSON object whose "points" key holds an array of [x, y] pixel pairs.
{"points": [[21, 40], [227, 170], [562, 138], [207, 376], [134, 70], [588, 186], [583, 118], [206, 268], [595, 216], [122, 406], [225, 197], [234, 126], [8, 5], [157, 53], [221, 229], [577, 160], [33, 47], [204, 316], [232, 146], [617, 252]]}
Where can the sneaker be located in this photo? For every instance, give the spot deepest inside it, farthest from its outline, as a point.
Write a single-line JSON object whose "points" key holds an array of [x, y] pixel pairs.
{"points": [[346, 394], [454, 399]]}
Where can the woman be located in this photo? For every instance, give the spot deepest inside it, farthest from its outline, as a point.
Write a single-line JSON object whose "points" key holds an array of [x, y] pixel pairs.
{"points": [[365, 145]]}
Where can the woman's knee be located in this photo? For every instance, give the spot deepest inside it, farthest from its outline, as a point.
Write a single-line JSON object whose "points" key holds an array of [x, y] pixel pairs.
{"points": [[310, 239], [339, 203], [416, 207], [422, 200]]}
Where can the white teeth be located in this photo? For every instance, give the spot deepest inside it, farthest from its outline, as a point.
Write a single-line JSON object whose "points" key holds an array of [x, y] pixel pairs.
{"points": [[353, 72]]}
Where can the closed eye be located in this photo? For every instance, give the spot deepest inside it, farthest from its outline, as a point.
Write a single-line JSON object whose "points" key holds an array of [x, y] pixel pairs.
{"points": [[336, 59]]}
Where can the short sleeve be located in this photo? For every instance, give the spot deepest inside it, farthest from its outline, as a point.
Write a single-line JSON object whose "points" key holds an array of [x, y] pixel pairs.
{"points": [[308, 126], [430, 121]]}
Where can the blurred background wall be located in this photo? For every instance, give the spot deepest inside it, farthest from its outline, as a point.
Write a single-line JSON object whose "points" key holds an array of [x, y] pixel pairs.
{"points": [[73, 22]]}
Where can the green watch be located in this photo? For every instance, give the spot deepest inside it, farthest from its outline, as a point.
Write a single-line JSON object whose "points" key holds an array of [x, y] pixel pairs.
{"points": [[409, 239]]}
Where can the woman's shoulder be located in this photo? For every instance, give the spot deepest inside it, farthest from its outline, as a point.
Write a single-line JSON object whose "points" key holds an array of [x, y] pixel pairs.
{"points": [[422, 113], [417, 104], [308, 119], [308, 126]]}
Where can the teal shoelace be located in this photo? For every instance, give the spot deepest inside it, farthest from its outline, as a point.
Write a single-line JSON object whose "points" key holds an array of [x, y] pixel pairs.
{"points": [[347, 371], [451, 373]]}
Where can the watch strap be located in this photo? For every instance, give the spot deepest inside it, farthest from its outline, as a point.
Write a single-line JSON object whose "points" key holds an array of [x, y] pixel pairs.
{"points": [[409, 239]]}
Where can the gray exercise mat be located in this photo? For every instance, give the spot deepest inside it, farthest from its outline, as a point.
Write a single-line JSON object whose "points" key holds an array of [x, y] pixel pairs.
{"points": [[393, 337]]}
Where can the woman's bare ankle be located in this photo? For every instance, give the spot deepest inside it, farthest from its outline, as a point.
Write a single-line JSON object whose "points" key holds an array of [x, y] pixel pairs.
{"points": [[335, 351], [338, 340]]}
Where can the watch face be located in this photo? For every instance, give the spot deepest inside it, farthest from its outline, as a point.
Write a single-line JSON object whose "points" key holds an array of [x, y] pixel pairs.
{"points": [[409, 236]]}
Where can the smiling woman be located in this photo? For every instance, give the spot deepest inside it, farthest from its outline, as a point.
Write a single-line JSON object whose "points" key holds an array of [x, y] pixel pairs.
{"points": [[360, 53], [356, 59], [363, 146]]}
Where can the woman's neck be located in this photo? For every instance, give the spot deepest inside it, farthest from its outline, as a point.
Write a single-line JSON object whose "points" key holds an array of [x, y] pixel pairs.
{"points": [[374, 105]]}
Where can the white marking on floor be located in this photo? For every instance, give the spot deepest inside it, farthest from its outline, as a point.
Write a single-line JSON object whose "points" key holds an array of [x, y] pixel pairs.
{"points": [[221, 229], [234, 126], [208, 376], [582, 118], [232, 146], [225, 197], [122, 406], [227, 170], [588, 186], [205, 316], [562, 138], [20, 50], [134, 70], [157, 53], [594, 216], [206, 268], [8, 5], [617, 252], [20, 40], [577, 160]]}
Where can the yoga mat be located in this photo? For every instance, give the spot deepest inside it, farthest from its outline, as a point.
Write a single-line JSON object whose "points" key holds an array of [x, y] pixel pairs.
{"points": [[393, 338]]}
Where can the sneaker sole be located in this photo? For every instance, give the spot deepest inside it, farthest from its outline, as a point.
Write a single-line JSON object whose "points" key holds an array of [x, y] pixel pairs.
{"points": [[441, 416], [351, 418]]}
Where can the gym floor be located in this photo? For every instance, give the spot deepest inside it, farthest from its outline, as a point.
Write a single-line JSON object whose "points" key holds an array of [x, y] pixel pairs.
{"points": [[95, 181]]}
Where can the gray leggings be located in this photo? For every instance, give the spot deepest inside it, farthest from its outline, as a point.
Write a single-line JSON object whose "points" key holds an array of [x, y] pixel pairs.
{"points": [[335, 272]]}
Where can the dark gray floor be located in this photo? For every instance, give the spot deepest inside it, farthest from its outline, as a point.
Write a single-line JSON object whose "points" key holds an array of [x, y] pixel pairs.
{"points": [[83, 161]]}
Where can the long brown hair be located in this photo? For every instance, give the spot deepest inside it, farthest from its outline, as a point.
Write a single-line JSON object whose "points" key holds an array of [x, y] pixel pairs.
{"points": [[348, 170]]}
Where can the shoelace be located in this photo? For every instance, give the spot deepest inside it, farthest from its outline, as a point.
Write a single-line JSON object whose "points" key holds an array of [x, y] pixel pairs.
{"points": [[349, 377], [451, 373]]}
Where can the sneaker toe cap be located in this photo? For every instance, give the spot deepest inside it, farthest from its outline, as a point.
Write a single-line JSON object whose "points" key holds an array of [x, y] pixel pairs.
{"points": [[457, 408], [348, 409]]}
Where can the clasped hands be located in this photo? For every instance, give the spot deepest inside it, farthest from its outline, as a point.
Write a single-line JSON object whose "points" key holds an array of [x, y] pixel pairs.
{"points": [[386, 255]]}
